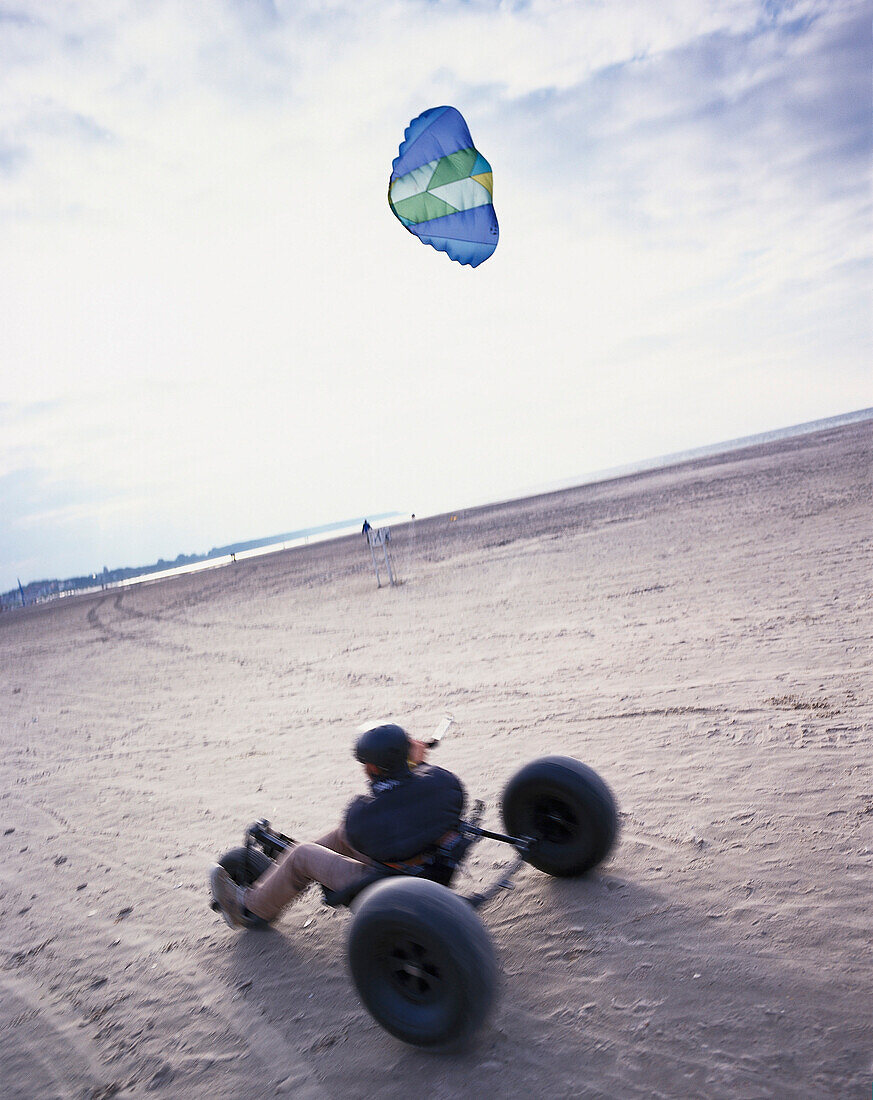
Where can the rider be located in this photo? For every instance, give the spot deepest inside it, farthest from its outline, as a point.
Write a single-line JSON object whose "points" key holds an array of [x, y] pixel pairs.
{"points": [[412, 807]]}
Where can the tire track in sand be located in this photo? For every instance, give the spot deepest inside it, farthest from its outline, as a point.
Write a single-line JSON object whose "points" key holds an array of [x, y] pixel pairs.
{"points": [[83, 1026]]}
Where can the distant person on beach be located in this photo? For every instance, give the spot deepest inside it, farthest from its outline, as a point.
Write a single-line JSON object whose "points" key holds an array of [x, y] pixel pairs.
{"points": [[412, 807], [365, 530]]}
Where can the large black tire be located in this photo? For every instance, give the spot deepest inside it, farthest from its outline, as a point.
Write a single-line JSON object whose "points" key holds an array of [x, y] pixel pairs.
{"points": [[567, 808], [422, 962], [244, 866]]}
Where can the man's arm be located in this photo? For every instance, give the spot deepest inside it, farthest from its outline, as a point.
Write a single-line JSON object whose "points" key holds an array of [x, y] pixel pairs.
{"points": [[417, 751]]}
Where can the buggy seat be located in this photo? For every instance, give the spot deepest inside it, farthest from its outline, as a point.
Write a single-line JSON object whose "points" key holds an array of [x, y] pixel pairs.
{"points": [[437, 863]]}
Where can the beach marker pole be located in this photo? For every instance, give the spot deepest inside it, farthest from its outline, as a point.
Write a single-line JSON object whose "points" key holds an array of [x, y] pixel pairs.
{"points": [[370, 542], [383, 531], [381, 538]]}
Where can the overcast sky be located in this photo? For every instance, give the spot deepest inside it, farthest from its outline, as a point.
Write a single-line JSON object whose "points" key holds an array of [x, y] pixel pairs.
{"points": [[212, 328]]}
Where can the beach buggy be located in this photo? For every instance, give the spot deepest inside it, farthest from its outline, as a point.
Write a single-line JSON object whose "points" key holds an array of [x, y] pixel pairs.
{"points": [[420, 957]]}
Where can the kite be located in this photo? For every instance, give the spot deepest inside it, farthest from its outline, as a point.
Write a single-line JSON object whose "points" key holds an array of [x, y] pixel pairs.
{"points": [[441, 187]]}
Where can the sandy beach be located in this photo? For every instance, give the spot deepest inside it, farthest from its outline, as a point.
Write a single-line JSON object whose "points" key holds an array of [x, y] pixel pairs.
{"points": [[700, 635]]}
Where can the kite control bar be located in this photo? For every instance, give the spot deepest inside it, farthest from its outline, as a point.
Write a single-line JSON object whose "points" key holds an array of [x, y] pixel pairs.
{"points": [[440, 732]]}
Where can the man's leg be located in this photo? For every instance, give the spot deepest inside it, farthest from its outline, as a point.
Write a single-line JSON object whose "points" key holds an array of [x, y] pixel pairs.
{"points": [[337, 841], [299, 867]]}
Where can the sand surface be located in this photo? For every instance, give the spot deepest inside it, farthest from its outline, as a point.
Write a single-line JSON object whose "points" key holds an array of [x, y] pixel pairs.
{"points": [[700, 635]]}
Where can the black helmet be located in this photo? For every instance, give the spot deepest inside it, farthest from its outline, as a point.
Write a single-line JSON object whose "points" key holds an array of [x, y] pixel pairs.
{"points": [[385, 747]]}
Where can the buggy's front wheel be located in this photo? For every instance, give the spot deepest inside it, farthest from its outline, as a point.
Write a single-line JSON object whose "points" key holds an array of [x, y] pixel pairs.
{"points": [[245, 866]]}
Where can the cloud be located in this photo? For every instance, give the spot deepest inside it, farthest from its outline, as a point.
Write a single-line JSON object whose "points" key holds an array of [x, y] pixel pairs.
{"points": [[738, 161]]}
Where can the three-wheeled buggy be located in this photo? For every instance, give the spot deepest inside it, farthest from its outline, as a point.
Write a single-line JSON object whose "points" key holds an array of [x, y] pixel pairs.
{"points": [[420, 957]]}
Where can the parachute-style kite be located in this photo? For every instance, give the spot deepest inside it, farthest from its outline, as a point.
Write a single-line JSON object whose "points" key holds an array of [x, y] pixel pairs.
{"points": [[441, 187]]}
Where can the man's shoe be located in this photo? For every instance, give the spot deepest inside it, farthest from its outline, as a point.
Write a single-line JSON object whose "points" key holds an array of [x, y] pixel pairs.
{"points": [[228, 898]]}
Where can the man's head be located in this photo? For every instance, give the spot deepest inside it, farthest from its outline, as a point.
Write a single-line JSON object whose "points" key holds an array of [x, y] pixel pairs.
{"points": [[384, 751]]}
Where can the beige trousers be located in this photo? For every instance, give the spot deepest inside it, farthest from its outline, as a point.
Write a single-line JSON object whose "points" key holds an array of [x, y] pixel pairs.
{"points": [[331, 860]]}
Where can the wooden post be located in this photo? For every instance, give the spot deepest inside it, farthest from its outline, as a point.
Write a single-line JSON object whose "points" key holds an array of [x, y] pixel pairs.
{"points": [[387, 561], [381, 538], [370, 543]]}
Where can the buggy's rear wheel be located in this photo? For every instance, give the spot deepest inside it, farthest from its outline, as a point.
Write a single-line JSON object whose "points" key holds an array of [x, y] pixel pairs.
{"points": [[568, 810], [422, 962]]}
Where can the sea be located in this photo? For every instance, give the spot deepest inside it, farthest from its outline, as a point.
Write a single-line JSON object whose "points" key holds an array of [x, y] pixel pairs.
{"points": [[663, 461]]}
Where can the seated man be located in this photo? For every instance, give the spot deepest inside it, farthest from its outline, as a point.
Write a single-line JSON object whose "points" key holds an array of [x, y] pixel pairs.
{"points": [[410, 809]]}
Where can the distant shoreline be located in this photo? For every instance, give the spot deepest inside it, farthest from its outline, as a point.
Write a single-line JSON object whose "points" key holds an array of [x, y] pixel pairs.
{"points": [[678, 458], [343, 529]]}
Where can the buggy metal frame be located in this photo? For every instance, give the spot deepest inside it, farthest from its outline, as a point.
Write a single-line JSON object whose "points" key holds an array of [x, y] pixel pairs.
{"points": [[439, 864]]}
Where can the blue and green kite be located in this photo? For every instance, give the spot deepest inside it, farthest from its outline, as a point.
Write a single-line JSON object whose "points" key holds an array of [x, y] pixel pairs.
{"points": [[441, 187]]}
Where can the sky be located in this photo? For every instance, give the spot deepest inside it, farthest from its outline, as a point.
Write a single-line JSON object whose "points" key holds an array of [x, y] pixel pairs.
{"points": [[212, 328]]}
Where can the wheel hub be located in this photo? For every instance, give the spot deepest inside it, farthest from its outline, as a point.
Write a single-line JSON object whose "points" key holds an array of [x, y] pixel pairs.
{"points": [[555, 822], [412, 971]]}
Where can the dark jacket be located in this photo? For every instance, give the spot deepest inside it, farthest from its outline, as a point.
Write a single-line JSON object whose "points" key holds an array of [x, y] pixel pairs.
{"points": [[404, 817]]}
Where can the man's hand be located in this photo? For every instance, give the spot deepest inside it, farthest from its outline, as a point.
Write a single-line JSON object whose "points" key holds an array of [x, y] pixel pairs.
{"points": [[417, 751]]}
